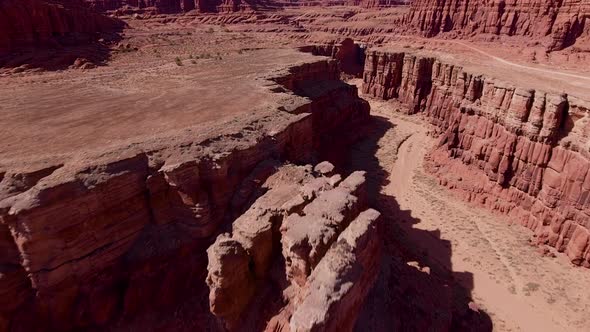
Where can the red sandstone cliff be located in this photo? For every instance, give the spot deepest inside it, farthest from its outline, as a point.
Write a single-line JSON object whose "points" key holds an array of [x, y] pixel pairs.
{"points": [[519, 151], [113, 235], [25, 23], [556, 23]]}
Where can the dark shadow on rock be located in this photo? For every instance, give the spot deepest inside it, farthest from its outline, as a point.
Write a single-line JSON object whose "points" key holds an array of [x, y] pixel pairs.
{"points": [[426, 294], [54, 35], [81, 52]]}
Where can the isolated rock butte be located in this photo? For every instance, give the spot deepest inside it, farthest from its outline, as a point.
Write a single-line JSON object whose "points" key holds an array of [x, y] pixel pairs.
{"points": [[519, 151], [558, 23], [116, 234], [330, 253]]}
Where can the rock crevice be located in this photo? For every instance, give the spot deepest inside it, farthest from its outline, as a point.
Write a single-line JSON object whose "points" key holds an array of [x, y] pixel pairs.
{"points": [[98, 237]]}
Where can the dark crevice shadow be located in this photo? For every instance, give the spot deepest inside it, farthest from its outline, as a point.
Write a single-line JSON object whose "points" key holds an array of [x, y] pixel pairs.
{"points": [[95, 50], [410, 297]]}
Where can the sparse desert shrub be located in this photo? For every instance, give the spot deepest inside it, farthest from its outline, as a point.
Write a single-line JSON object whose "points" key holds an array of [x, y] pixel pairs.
{"points": [[210, 30], [531, 286], [178, 61]]}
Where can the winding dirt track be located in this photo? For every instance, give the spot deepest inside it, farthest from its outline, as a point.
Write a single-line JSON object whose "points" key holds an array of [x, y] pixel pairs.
{"points": [[518, 288], [510, 63]]}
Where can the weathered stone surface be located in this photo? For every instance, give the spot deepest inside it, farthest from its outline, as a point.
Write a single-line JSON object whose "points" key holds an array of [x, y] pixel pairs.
{"points": [[322, 236], [338, 285], [519, 151], [230, 279], [557, 23], [324, 168], [126, 228]]}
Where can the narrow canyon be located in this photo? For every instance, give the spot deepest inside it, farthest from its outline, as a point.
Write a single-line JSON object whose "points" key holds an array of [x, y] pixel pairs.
{"points": [[294, 165]]}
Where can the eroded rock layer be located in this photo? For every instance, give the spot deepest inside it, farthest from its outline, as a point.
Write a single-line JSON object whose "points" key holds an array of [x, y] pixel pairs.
{"points": [[312, 239], [519, 151], [176, 6], [25, 23], [224, 6], [557, 23], [97, 238]]}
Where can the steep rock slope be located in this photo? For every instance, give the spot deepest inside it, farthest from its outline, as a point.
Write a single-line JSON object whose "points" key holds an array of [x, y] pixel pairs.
{"points": [[519, 151], [25, 23], [557, 23], [103, 237]]}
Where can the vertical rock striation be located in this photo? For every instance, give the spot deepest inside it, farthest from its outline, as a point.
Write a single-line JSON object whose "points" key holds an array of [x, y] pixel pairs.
{"points": [[32, 23], [519, 151], [557, 23]]}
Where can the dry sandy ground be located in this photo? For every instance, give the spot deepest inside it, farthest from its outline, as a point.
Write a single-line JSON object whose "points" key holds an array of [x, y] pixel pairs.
{"points": [[518, 288], [164, 78]]}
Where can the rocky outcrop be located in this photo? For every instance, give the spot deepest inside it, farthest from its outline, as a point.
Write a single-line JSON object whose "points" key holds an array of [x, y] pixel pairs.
{"points": [[107, 236], [34, 23], [556, 23], [519, 151], [308, 236], [349, 54]]}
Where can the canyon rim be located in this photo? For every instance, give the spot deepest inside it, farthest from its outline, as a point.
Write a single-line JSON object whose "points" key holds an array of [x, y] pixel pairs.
{"points": [[269, 165]]}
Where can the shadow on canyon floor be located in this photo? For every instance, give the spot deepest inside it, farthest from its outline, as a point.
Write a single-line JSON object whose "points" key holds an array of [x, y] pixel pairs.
{"points": [[425, 295], [62, 54]]}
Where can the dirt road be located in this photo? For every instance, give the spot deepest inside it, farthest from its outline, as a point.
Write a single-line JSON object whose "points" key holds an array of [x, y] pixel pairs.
{"points": [[492, 260]]}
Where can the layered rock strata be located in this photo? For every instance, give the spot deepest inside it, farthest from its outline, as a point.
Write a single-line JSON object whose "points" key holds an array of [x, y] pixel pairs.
{"points": [[176, 6], [522, 152], [557, 23], [105, 236], [314, 238], [32, 23]]}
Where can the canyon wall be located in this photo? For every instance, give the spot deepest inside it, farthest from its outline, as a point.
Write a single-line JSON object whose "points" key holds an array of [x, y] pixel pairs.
{"points": [[350, 55], [26, 23], [226, 6], [176, 6], [103, 237], [519, 151], [557, 24]]}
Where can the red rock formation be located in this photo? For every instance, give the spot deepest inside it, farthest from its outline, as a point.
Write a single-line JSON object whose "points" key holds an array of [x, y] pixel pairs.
{"points": [[382, 3], [557, 23], [25, 23], [329, 255], [518, 151], [116, 234], [350, 55], [178, 6]]}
